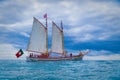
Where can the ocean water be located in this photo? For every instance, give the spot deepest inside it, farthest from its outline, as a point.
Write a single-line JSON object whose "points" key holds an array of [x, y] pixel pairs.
{"points": [[59, 70]]}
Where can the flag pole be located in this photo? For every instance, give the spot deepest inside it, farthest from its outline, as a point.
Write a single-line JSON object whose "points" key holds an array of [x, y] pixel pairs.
{"points": [[46, 22], [61, 25], [45, 16]]}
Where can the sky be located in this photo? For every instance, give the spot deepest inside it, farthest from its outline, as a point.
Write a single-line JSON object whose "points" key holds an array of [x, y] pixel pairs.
{"points": [[88, 25]]}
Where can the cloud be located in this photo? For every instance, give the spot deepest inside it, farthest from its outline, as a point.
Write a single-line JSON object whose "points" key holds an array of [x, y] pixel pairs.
{"points": [[103, 57], [18, 25], [100, 52], [25, 34], [83, 33], [8, 51], [22, 28]]}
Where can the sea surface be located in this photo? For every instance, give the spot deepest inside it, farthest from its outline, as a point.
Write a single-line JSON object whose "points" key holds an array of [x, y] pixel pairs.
{"points": [[60, 70]]}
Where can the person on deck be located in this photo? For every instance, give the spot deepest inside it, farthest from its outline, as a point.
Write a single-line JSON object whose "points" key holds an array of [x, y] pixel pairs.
{"points": [[30, 55], [80, 54], [71, 55]]}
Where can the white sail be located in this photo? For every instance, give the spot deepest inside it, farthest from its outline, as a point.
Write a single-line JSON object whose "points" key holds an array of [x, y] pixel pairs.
{"points": [[38, 38], [57, 39]]}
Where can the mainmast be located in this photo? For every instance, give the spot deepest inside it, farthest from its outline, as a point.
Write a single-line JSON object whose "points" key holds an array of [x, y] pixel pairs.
{"points": [[62, 38], [45, 16]]}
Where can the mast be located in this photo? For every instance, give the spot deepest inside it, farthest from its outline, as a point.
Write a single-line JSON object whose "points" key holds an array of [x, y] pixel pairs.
{"points": [[62, 37], [45, 16]]}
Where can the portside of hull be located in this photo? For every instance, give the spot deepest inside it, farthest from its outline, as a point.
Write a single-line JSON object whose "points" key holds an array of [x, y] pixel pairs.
{"points": [[54, 59]]}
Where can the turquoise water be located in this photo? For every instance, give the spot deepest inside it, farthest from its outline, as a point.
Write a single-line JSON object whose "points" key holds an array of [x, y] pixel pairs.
{"points": [[59, 70]]}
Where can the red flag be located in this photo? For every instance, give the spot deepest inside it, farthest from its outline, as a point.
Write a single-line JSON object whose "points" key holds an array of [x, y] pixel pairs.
{"points": [[45, 15], [19, 53]]}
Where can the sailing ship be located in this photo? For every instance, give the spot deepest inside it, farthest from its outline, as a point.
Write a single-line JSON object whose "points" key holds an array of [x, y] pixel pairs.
{"points": [[38, 43]]}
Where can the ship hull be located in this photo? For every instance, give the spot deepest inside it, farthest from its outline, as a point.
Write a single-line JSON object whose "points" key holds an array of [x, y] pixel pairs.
{"points": [[54, 58]]}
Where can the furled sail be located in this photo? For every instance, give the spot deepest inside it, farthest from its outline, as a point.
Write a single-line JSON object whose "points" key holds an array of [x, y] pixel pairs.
{"points": [[38, 38], [57, 39]]}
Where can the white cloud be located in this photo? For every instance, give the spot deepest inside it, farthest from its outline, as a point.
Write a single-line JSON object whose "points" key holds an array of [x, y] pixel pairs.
{"points": [[81, 29], [100, 52], [70, 11], [24, 34], [83, 33], [19, 27], [8, 51], [103, 57]]}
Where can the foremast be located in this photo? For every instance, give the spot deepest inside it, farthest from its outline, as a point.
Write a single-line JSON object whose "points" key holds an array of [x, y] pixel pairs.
{"points": [[62, 39], [45, 16]]}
